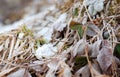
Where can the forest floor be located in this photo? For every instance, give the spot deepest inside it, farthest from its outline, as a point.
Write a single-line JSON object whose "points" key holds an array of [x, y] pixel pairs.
{"points": [[60, 38]]}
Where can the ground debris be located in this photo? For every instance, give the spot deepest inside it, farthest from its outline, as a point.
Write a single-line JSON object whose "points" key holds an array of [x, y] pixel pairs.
{"points": [[77, 38]]}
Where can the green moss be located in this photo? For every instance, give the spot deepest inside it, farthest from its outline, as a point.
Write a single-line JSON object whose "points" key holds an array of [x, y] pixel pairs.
{"points": [[27, 31]]}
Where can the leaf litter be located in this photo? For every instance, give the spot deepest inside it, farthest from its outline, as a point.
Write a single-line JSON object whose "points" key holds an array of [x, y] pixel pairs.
{"points": [[66, 41]]}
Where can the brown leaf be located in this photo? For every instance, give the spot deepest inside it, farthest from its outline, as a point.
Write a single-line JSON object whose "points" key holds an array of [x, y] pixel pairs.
{"points": [[79, 48], [92, 29], [105, 56], [95, 48]]}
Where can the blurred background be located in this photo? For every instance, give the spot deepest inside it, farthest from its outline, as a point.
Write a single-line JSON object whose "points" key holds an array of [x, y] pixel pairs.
{"points": [[14, 10]]}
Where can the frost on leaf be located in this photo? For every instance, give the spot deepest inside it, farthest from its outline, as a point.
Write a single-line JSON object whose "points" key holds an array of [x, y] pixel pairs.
{"points": [[94, 6], [92, 29], [60, 24], [46, 33], [79, 48], [95, 48], [91, 10], [21, 35], [65, 70], [45, 51], [98, 6], [88, 2], [105, 56]]}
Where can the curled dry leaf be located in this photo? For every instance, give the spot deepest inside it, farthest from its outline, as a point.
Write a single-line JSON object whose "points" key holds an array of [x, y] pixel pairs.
{"points": [[105, 56]]}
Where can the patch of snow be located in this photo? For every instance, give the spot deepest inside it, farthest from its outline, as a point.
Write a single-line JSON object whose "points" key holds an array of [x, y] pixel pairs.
{"points": [[94, 6], [46, 33], [60, 24], [29, 21], [46, 51]]}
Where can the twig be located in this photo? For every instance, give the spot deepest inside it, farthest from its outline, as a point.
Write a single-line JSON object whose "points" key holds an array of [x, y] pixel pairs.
{"points": [[89, 63]]}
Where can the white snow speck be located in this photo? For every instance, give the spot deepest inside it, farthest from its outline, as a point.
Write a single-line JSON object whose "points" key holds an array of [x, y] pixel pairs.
{"points": [[21, 35], [46, 51], [46, 33]]}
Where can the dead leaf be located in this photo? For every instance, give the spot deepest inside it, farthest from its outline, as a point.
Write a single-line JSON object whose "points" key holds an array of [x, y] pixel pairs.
{"points": [[65, 70], [83, 72], [95, 48], [53, 66], [96, 68], [60, 24], [92, 29], [105, 56], [77, 26], [78, 48], [20, 73]]}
